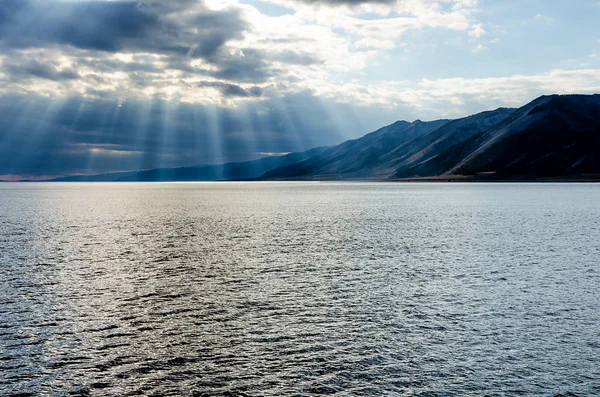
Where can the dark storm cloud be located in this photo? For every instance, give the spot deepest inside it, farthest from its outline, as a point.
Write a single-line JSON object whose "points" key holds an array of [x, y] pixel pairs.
{"points": [[255, 91], [163, 7], [154, 31], [24, 69], [113, 26], [216, 30], [180, 30], [98, 25], [141, 64], [232, 90], [246, 65]]}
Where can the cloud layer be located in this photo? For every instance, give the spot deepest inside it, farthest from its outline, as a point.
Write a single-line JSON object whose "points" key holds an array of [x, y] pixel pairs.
{"points": [[172, 48]]}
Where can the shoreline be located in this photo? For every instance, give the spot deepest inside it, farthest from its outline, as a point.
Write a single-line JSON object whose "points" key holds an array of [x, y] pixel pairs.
{"points": [[488, 178]]}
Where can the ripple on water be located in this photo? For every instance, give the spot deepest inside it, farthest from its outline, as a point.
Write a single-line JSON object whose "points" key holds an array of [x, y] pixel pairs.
{"points": [[299, 289]]}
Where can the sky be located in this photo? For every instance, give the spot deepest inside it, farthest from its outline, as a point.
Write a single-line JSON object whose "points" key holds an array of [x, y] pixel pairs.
{"points": [[92, 86]]}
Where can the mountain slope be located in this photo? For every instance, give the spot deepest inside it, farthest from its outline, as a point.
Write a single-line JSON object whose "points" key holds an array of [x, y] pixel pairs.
{"points": [[551, 136], [417, 157], [358, 158], [403, 152]]}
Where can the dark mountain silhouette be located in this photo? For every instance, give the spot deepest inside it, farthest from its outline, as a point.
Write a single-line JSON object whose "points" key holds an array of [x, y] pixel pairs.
{"points": [[358, 158], [410, 152], [553, 136], [418, 157]]}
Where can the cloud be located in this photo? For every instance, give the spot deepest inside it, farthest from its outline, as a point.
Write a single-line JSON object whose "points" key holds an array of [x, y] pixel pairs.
{"points": [[270, 154], [295, 58], [26, 68], [101, 35], [232, 90], [477, 31], [462, 96], [543, 18], [114, 26], [346, 2], [246, 65], [109, 26], [458, 97], [139, 48], [154, 48]]}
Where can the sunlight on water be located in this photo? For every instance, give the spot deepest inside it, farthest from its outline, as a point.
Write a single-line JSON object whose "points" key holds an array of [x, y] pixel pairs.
{"points": [[286, 289]]}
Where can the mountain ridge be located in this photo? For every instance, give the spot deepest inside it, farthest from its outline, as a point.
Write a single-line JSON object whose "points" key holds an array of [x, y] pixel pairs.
{"points": [[553, 136], [367, 150], [481, 146]]}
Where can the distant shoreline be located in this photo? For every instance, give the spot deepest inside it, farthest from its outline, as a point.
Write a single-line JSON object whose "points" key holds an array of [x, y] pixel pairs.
{"points": [[487, 179], [592, 178]]}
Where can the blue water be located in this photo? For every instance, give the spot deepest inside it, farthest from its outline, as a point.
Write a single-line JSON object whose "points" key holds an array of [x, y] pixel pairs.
{"points": [[298, 289]]}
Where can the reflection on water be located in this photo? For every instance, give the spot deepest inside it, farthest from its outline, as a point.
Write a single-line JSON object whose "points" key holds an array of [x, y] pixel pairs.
{"points": [[299, 289]]}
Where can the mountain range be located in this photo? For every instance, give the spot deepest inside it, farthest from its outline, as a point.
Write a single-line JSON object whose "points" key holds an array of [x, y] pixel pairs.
{"points": [[248, 170], [552, 137]]}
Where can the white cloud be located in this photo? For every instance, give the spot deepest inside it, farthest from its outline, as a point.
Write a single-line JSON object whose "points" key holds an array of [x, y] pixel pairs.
{"points": [[307, 49], [499, 91], [393, 19], [314, 48], [477, 31], [454, 97]]}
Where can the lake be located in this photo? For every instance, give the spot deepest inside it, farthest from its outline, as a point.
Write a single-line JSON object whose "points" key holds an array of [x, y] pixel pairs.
{"points": [[298, 289]]}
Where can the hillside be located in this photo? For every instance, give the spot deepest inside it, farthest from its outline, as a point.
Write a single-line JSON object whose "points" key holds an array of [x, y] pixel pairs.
{"points": [[553, 136], [359, 158]]}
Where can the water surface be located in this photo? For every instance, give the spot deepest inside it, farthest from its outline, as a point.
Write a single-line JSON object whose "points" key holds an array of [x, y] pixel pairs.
{"points": [[291, 289]]}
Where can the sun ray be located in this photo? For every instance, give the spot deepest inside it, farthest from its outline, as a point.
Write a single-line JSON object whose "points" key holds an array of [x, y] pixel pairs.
{"points": [[289, 127], [43, 134], [249, 134], [216, 139], [142, 137], [106, 133], [22, 116]]}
